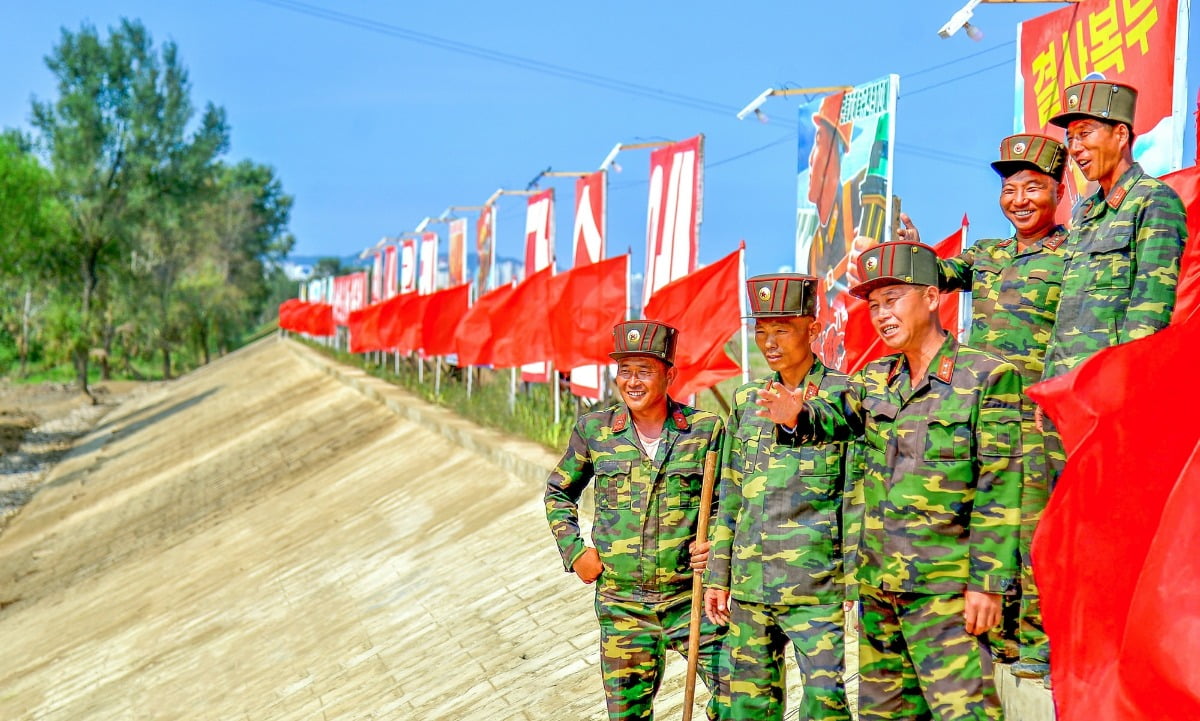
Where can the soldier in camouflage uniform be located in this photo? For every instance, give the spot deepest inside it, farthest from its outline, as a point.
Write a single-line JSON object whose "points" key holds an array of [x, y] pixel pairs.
{"points": [[1014, 284], [775, 571], [1126, 240], [939, 550], [646, 456]]}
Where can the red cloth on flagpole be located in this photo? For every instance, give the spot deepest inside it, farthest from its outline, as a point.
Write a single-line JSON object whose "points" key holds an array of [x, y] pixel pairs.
{"points": [[288, 312], [317, 320], [412, 315], [443, 311], [702, 306], [364, 329], [519, 323], [391, 320], [1117, 553], [473, 336], [586, 302], [863, 343], [1186, 182]]}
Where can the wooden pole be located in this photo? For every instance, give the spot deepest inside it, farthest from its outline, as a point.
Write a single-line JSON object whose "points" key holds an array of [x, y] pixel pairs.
{"points": [[693, 654]]}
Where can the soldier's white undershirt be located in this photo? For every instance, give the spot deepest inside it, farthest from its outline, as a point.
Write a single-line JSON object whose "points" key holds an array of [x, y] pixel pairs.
{"points": [[649, 444]]}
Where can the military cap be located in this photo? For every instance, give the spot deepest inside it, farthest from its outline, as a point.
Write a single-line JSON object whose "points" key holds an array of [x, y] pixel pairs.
{"points": [[830, 113], [644, 338], [1102, 99], [780, 295], [896, 262], [1037, 152]]}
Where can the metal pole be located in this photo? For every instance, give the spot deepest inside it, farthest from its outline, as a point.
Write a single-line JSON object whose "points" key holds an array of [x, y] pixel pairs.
{"points": [[554, 390], [512, 391], [437, 376], [470, 373]]}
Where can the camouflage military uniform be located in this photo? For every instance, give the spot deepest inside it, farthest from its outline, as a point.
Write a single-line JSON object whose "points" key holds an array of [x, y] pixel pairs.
{"points": [[941, 495], [1121, 269], [646, 515], [1014, 297], [776, 546]]}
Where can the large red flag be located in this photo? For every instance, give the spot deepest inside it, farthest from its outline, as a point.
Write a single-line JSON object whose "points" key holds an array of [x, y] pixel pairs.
{"points": [[288, 312], [317, 320], [519, 322], [862, 343], [443, 311], [412, 315], [473, 337], [586, 303], [1117, 553], [703, 307], [391, 320], [364, 329], [1186, 182]]}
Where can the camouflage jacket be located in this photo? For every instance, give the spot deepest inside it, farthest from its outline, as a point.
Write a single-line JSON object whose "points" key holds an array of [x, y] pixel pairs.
{"points": [[777, 537], [646, 509], [941, 491], [1121, 270], [1014, 296]]}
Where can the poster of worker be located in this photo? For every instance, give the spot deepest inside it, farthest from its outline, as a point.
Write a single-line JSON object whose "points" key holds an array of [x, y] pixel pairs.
{"points": [[844, 198]]}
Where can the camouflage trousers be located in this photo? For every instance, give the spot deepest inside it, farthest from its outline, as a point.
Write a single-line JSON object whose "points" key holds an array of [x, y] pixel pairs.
{"points": [[634, 638], [917, 662], [755, 644]]}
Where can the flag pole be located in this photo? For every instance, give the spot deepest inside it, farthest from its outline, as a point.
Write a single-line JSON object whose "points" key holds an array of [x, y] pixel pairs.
{"points": [[743, 311], [693, 655]]}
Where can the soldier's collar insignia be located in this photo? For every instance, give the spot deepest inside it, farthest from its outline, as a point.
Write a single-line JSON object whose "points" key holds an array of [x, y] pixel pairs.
{"points": [[811, 391], [764, 294], [620, 421], [633, 337], [1055, 239], [1006, 242], [895, 371], [945, 371], [681, 422], [1116, 197]]}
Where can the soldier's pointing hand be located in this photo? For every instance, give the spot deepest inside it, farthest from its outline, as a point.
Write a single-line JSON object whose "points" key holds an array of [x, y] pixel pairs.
{"points": [[780, 405]]}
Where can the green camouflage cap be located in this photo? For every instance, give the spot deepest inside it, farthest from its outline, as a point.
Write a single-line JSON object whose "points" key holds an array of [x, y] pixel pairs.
{"points": [[1102, 99], [1031, 151], [644, 338], [780, 295], [896, 262]]}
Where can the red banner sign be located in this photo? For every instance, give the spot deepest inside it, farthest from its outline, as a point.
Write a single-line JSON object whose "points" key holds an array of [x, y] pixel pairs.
{"points": [[408, 265], [457, 255], [349, 293], [673, 218], [427, 281], [590, 219], [390, 271], [485, 241], [539, 255], [1128, 41]]}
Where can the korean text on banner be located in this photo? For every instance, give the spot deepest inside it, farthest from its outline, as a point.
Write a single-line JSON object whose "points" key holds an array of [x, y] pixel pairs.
{"points": [[674, 213], [390, 271], [457, 256], [844, 193], [427, 279], [539, 254], [349, 293], [590, 219], [376, 276], [408, 265], [1142, 43]]}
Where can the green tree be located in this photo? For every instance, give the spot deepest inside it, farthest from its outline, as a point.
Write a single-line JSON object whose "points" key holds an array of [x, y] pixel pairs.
{"points": [[125, 158]]}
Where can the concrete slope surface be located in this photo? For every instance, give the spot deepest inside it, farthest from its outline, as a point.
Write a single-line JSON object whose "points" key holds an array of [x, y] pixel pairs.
{"points": [[276, 536]]}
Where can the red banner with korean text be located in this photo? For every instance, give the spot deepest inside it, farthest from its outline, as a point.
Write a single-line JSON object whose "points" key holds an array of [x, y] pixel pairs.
{"points": [[1142, 43], [674, 213], [539, 255], [701, 307], [349, 293], [590, 233], [376, 276], [408, 265], [427, 275], [456, 256], [390, 271]]}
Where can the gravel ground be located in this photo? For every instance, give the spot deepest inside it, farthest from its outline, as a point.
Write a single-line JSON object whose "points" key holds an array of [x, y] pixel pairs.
{"points": [[38, 425]]}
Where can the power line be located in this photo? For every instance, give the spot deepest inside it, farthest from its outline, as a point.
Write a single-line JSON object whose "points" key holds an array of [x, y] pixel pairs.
{"points": [[957, 60], [957, 78], [510, 59]]}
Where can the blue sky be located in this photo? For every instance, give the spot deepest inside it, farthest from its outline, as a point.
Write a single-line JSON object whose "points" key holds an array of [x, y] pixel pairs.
{"points": [[372, 131]]}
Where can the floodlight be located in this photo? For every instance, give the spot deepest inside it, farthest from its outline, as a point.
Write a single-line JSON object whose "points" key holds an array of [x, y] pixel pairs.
{"points": [[755, 104], [959, 19]]}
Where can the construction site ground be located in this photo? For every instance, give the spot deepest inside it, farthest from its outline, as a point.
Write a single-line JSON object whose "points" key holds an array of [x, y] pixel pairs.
{"points": [[277, 536]]}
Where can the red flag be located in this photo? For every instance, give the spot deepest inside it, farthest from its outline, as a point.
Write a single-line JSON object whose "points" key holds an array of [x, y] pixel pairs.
{"points": [[473, 336], [1117, 552], [702, 307], [318, 320], [364, 329], [412, 314], [586, 303], [519, 323], [443, 311], [288, 311], [391, 320], [1186, 182], [861, 342]]}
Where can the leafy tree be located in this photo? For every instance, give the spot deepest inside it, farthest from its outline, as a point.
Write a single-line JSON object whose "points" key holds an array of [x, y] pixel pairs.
{"points": [[125, 161]]}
